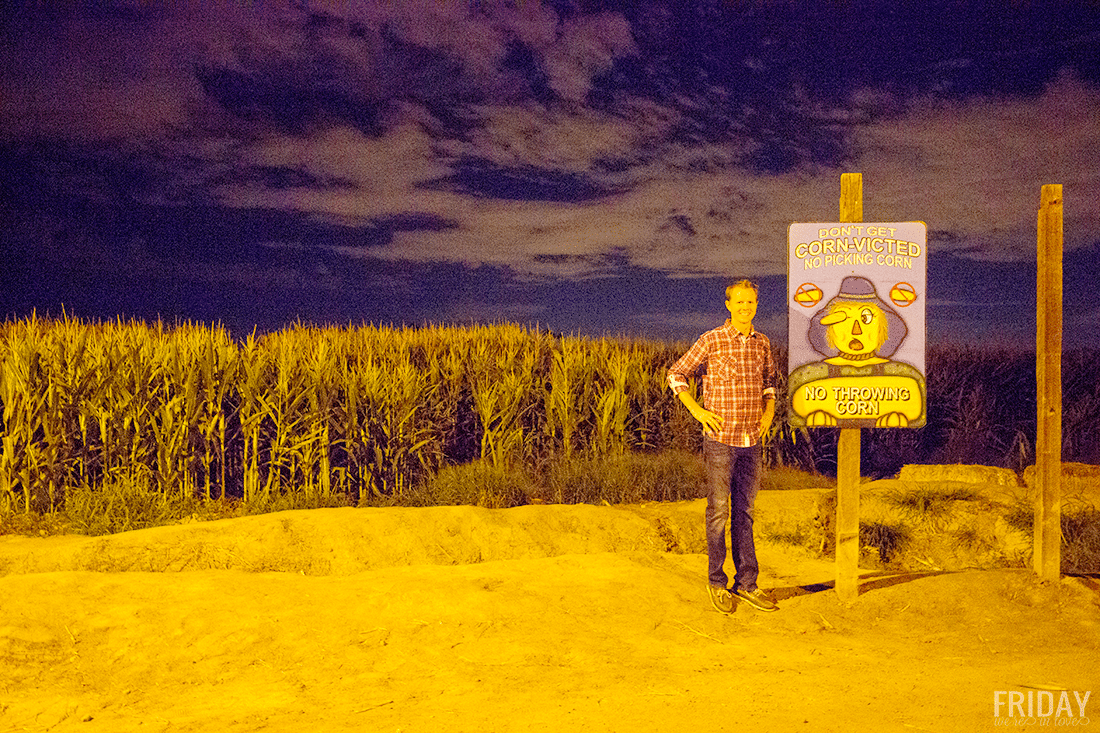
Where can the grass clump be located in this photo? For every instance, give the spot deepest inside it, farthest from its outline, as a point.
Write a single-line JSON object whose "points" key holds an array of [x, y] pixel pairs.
{"points": [[968, 539], [261, 504], [480, 483], [124, 502], [1081, 541], [930, 505], [799, 535], [886, 538], [1080, 534], [128, 501], [131, 500], [33, 524], [630, 478], [1021, 516], [789, 478]]}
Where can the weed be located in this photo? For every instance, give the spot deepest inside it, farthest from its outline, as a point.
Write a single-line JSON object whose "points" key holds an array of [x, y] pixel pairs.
{"points": [[785, 478], [929, 505], [630, 478], [1081, 541], [1080, 534], [1021, 516], [123, 504], [34, 524], [888, 539], [800, 535], [480, 483], [969, 540]]}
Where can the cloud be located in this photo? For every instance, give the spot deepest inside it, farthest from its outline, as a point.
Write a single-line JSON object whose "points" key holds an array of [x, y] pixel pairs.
{"points": [[380, 176], [588, 46], [569, 52], [582, 140], [498, 133], [975, 168], [91, 75], [135, 70]]}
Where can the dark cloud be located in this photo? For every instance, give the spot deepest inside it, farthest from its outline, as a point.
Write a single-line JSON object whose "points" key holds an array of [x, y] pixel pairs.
{"points": [[278, 177], [560, 162], [81, 209], [482, 178], [787, 77], [288, 102], [523, 60]]}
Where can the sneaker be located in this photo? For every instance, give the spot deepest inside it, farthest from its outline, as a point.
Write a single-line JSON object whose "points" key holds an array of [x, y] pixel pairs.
{"points": [[721, 598], [758, 599]]}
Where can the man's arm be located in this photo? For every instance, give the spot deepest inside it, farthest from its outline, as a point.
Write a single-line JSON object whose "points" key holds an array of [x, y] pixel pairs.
{"points": [[769, 391], [769, 414], [712, 421], [686, 365]]}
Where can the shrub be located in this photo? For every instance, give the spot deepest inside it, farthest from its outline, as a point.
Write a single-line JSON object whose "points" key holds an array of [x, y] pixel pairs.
{"points": [[630, 478], [888, 539], [480, 483], [121, 504], [928, 504], [1081, 541]]}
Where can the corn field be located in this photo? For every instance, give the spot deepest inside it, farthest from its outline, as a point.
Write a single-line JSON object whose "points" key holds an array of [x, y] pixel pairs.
{"points": [[350, 415], [319, 412]]}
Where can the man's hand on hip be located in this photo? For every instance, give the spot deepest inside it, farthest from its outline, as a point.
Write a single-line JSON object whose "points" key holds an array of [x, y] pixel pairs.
{"points": [[712, 421]]}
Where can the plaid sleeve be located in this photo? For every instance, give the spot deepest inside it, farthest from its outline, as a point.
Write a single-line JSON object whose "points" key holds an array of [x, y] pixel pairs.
{"points": [[687, 365], [769, 371]]}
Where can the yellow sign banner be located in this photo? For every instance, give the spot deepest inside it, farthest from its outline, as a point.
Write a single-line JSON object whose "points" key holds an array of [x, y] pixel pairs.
{"points": [[886, 401]]}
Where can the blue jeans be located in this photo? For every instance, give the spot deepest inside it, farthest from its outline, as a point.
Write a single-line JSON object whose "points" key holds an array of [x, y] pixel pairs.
{"points": [[732, 480]]}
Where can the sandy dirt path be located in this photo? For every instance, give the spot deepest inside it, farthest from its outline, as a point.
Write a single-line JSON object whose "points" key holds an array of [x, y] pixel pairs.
{"points": [[551, 638]]}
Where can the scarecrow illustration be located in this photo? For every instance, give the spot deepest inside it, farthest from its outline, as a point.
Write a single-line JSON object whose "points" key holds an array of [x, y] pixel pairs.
{"points": [[857, 384]]}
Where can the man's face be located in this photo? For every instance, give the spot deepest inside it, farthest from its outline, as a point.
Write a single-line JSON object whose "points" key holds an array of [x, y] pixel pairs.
{"points": [[742, 305], [855, 328]]}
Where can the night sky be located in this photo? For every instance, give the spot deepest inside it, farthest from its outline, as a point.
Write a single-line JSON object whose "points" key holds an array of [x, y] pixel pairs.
{"points": [[591, 167]]}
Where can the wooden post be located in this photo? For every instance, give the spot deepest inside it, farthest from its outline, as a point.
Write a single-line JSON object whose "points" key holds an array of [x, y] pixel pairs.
{"points": [[1048, 381], [847, 473]]}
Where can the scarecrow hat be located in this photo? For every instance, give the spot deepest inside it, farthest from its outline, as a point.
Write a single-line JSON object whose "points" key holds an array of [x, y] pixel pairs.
{"points": [[855, 289]]}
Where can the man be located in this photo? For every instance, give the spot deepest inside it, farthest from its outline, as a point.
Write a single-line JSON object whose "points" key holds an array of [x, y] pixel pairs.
{"points": [[739, 394]]}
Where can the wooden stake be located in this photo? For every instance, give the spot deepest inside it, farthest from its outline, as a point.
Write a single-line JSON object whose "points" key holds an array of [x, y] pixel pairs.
{"points": [[847, 474], [1048, 381], [851, 197]]}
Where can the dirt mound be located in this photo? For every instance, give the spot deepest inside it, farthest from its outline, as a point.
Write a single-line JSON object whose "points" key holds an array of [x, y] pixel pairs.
{"points": [[348, 541], [963, 533], [959, 473], [1080, 483], [565, 618]]}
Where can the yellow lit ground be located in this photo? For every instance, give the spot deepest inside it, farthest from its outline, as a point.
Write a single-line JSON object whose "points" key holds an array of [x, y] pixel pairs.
{"points": [[540, 618]]}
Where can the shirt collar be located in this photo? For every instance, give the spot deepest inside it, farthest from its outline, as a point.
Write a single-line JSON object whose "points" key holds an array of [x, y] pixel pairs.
{"points": [[729, 325]]}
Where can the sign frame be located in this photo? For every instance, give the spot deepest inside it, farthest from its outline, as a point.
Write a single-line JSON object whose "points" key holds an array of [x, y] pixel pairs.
{"points": [[856, 296]]}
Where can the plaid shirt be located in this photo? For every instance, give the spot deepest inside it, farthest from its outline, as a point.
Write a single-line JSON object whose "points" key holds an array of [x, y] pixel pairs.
{"points": [[738, 373]]}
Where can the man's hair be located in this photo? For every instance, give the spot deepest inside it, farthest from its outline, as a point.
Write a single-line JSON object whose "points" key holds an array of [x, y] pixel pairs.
{"points": [[742, 284]]}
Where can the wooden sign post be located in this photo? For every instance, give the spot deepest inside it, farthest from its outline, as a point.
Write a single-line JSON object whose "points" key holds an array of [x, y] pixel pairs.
{"points": [[847, 470], [855, 342], [1048, 375]]}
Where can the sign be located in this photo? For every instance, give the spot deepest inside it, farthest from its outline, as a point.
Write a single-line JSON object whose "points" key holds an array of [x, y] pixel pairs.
{"points": [[856, 298]]}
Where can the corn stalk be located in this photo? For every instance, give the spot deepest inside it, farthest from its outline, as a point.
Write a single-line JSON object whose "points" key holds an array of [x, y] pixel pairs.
{"points": [[612, 407]]}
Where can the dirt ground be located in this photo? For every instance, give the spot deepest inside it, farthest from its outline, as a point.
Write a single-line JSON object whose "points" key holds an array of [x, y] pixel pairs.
{"points": [[537, 618]]}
